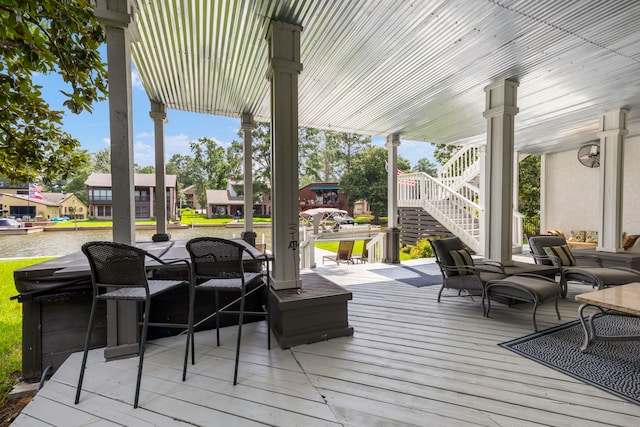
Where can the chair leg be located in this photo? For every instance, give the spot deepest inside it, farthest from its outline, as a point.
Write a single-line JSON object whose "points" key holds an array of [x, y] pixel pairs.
{"points": [[143, 340], [440, 293], [87, 342], [217, 296], [240, 320], [190, 334]]}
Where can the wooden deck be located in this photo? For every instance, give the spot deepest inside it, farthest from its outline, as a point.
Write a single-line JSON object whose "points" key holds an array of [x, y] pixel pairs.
{"points": [[411, 361]]}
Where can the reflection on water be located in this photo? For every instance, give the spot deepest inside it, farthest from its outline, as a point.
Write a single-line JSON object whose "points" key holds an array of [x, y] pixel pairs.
{"points": [[57, 243]]}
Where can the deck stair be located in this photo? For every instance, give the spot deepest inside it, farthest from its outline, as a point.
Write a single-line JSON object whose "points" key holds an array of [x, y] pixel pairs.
{"points": [[452, 199]]}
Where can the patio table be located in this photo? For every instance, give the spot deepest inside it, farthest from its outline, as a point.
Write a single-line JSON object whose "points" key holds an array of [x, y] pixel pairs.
{"points": [[623, 298]]}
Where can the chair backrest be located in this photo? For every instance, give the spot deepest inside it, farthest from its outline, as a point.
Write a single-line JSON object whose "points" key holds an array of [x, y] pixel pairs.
{"points": [[345, 248], [116, 265], [442, 249], [538, 242], [213, 257]]}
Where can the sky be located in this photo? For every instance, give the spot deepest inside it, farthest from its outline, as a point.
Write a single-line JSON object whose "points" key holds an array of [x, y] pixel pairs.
{"points": [[92, 129]]}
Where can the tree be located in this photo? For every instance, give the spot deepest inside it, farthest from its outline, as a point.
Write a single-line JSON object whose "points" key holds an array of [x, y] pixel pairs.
{"points": [[211, 167], [42, 37], [443, 152], [529, 188], [367, 179], [101, 161], [77, 184], [327, 155], [427, 166], [144, 169]]}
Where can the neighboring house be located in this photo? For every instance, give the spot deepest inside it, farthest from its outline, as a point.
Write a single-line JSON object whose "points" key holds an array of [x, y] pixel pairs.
{"points": [[321, 195], [44, 206], [223, 202], [190, 198], [100, 196]]}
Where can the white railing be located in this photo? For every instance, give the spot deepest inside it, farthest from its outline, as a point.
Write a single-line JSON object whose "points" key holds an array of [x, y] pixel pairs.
{"points": [[377, 248], [456, 212], [461, 168]]}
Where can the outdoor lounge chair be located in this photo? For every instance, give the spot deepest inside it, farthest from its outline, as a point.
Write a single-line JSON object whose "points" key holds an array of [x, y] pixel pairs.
{"points": [[576, 266], [345, 247], [364, 256], [460, 272], [118, 272], [217, 265]]}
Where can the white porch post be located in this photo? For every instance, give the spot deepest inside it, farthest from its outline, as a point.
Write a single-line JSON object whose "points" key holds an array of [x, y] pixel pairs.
{"points": [[500, 112], [159, 115], [247, 126], [392, 253], [284, 67], [122, 334], [613, 129], [543, 192]]}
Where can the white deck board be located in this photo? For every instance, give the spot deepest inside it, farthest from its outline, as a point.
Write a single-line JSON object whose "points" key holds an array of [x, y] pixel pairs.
{"points": [[411, 362]]}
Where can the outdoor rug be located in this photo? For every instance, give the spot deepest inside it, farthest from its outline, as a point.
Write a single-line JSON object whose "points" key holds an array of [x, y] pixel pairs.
{"points": [[611, 366], [415, 275]]}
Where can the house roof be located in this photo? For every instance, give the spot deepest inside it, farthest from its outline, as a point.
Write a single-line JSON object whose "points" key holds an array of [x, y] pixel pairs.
{"points": [[222, 198], [414, 68], [48, 199], [139, 179]]}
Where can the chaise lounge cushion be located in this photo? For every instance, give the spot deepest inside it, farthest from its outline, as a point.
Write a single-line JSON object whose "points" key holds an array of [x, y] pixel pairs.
{"points": [[462, 259], [561, 254]]}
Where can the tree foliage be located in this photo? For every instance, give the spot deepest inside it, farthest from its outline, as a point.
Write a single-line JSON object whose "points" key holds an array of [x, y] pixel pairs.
{"points": [[43, 37], [327, 155], [529, 186], [367, 179], [427, 166], [443, 152]]}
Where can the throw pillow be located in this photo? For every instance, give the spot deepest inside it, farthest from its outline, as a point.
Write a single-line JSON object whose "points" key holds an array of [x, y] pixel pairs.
{"points": [[560, 254], [592, 237], [461, 259], [578, 235], [629, 241]]}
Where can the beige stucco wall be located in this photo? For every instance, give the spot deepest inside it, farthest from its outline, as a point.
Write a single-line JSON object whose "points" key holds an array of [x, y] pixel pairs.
{"points": [[571, 192]]}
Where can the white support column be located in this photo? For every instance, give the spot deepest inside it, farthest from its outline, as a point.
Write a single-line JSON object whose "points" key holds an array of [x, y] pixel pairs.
{"points": [[115, 15], [501, 108], [393, 233], [284, 67], [613, 130], [247, 127], [159, 115], [544, 159]]}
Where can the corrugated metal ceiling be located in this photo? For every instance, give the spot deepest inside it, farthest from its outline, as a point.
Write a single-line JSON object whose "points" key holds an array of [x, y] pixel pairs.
{"points": [[413, 67]]}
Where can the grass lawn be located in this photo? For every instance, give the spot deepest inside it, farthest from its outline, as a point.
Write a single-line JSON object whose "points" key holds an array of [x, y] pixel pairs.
{"points": [[10, 323], [357, 248]]}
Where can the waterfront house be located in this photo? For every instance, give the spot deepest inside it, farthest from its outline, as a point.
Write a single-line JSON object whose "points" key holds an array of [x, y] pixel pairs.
{"points": [[100, 196]]}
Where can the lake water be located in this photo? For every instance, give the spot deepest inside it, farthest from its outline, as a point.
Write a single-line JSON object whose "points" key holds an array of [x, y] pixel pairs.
{"points": [[57, 243]]}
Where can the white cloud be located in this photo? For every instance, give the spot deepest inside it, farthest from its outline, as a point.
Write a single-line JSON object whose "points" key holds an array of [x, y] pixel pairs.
{"points": [[145, 135], [135, 80], [143, 154], [106, 141]]}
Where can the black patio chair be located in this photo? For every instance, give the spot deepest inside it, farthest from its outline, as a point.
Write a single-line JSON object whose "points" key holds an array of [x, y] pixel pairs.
{"points": [[577, 266], [460, 271], [119, 272], [218, 265]]}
